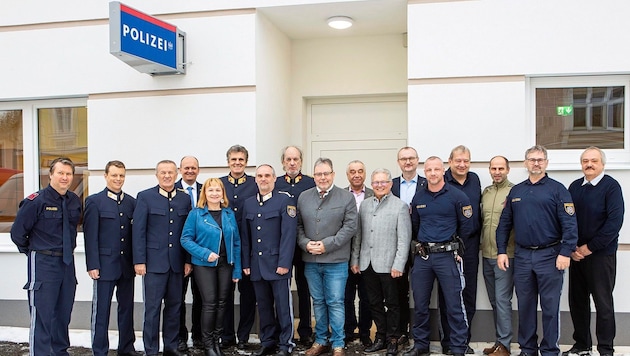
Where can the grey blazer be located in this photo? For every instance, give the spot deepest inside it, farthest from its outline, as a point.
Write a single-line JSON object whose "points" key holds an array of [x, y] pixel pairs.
{"points": [[383, 235], [332, 220]]}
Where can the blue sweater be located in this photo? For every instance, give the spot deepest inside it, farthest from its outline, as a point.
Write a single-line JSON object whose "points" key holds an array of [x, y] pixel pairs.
{"points": [[599, 211]]}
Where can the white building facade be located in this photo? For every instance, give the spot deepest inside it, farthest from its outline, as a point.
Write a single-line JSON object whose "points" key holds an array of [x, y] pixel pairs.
{"points": [[496, 76]]}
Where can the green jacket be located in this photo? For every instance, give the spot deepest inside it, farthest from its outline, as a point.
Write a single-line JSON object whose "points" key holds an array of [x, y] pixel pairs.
{"points": [[492, 203]]}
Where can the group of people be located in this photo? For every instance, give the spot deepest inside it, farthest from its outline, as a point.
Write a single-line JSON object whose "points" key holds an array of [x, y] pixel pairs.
{"points": [[259, 232]]}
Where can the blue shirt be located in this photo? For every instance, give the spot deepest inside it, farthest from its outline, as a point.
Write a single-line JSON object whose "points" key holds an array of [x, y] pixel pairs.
{"points": [[438, 216], [38, 224], [541, 213]]}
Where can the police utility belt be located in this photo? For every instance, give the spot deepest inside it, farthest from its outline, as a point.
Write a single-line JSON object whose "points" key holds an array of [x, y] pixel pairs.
{"points": [[423, 249]]}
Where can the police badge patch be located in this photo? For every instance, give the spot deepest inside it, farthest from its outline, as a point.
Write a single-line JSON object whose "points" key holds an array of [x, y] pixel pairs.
{"points": [[569, 208], [291, 210], [467, 211]]}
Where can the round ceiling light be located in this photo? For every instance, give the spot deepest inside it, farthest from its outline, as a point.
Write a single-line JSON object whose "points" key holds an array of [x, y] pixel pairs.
{"points": [[340, 22]]}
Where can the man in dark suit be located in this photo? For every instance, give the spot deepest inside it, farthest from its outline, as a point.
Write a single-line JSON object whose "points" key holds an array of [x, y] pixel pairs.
{"points": [[356, 177], [189, 169], [294, 183], [405, 187], [159, 257], [268, 235], [108, 255]]}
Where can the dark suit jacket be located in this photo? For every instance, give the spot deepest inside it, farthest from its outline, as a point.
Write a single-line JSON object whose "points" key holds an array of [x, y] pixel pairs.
{"points": [[396, 185], [179, 185], [107, 233]]}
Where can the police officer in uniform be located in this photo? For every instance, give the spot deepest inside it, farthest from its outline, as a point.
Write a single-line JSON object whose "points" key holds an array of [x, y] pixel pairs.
{"points": [[159, 257], [45, 229], [542, 214], [294, 183], [238, 187], [440, 213], [107, 233], [268, 236]]}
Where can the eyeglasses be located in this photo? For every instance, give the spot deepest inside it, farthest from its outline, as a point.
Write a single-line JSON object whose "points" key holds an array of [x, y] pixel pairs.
{"points": [[322, 174], [381, 183], [536, 160], [405, 159]]}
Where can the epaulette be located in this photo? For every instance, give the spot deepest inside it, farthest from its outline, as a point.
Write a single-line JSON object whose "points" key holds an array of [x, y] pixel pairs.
{"points": [[32, 196], [287, 193], [182, 190]]}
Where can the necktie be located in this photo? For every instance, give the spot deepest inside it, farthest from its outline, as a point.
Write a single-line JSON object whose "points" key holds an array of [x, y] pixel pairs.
{"points": [[321, 194], [67, 239], [192, 197]]}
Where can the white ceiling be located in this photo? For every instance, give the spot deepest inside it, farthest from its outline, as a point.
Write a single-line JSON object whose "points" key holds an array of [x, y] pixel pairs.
{"points": [[371, 17]]}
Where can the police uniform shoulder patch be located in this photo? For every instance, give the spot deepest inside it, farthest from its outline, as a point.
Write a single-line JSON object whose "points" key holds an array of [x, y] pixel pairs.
{"points": [[32, 196], [467, 211], [291, 210], [569, 208]]}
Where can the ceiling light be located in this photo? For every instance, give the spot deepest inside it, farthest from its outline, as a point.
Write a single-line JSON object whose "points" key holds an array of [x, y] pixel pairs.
{"points": [[340, 22]]}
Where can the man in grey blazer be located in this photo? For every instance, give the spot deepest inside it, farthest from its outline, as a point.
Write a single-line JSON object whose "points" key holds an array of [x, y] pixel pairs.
{"points": [[379, 252], [327, 221], [356, 174]]}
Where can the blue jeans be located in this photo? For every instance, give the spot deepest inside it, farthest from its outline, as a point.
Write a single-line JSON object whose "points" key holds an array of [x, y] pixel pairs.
{"points": [[500, 287], [327, 284]]}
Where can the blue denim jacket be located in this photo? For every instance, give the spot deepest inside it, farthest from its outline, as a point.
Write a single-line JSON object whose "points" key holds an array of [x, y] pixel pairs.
{"points": [[202, 235]]}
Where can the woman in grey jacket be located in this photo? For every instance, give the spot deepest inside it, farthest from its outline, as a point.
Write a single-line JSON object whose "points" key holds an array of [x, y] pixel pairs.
{"points": [[211, 237]]}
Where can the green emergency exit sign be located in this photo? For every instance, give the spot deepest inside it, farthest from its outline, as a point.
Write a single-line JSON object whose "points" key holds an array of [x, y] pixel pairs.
{"points": [[564, 110]]}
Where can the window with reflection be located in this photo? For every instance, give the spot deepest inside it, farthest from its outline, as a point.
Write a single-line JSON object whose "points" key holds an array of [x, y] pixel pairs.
{"points": [[581, 116], [11, 166]]}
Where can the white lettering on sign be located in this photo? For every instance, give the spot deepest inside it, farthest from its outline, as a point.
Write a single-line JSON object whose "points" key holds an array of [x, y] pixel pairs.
{"points": [[148, 39]]}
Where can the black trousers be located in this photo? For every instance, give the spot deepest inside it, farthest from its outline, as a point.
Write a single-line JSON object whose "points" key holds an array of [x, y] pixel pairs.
{"points": [[247, 311], [594, 275], [356, 285], [403, 299], [214, 285], [304, 328], [383, 293], [195, 328]]}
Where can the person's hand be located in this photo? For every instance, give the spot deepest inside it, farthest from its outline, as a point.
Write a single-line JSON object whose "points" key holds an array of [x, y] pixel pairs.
{"points": [[188, 268], [141, 269], [213, 257], [562, 262], [282, 271], [503, 262], [246, 271], [355, 269], [396, 273], [315, 247], [94, 274]]}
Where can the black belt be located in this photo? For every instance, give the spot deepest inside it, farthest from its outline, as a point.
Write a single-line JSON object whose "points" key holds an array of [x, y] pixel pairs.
{"points": [[540, 247], [50, 253], [439, 247]]}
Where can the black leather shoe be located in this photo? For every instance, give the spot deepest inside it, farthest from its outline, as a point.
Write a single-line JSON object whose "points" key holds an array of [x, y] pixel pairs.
{"points": [[366, 341], [417, 352], [241, 345], [182, 346], [131, 353], [305, 341], [198, 344], [173, 353], [378, 345], [227, 343], [446, 350], [265, 350], [283, 353]]}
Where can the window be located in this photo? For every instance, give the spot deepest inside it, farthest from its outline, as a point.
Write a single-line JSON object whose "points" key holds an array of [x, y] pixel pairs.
{"points": [[52, 128], [577, 112]]}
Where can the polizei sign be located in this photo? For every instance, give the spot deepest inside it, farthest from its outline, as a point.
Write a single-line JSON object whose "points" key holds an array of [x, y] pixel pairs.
{"points": [[144, 42]]}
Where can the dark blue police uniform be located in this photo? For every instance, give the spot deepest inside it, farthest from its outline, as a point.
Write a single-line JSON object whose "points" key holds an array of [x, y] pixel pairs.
{"points": [[237, 191], [196, 302], [107, 233], [158, 221], [472, 189], [268, 237], [295, 187], [543, 217], [436, 218], [38, 232]]}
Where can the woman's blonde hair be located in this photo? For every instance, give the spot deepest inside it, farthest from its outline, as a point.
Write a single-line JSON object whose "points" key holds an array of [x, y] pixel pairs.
{"points": [[203, 201]]}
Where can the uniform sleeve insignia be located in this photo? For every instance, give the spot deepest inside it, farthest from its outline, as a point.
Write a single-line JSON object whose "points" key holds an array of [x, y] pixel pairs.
{"points": [[569, 208], [467, 211], [291, 210], [32, 196]]}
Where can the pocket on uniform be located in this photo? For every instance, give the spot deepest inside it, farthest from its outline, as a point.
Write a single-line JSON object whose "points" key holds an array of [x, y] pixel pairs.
{"points": [[156, 211], [32, 286]]}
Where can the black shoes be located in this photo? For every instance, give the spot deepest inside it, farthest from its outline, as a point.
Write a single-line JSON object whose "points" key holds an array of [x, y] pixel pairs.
{"points": [[131, 353], [577, 351], [241, 345], [392, 347], [417, 352], [182, 345], [378, 345], [173, 353], [265, 350], [283, 353], [366, 341]]}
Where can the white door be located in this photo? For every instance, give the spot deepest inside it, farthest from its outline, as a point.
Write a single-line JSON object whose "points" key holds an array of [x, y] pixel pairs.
{"points": [[370, 129]]}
